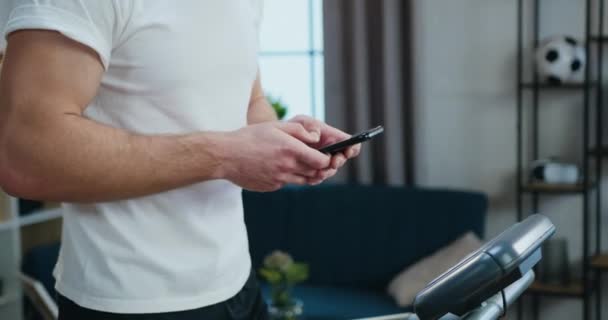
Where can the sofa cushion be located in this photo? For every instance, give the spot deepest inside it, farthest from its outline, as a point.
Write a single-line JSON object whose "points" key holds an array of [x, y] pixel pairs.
{"points": [[334, 303], [406, 285]]}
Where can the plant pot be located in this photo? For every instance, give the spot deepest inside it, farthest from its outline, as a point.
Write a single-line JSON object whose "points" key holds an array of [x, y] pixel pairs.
{"points": [[292, 312]]}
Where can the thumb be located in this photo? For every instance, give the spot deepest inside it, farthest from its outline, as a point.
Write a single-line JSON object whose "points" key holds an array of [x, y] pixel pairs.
{"points": [[310, 124], [298, 131]]}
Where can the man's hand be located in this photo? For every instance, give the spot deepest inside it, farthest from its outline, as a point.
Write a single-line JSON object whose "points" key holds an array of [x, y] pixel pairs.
{"points": [[266, 156], [327, 135]]}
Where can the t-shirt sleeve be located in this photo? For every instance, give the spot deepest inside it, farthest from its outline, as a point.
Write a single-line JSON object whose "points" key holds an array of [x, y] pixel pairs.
{"points": [[5, 7], [258, 6], [88, 22]]}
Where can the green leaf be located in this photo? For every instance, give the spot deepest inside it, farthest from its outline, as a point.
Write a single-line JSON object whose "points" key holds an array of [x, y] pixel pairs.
{"points": [[272, 276], [296, 273], [279, 107]]}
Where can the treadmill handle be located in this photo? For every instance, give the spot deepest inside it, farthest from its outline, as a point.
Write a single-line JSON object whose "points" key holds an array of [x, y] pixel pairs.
{"points": [[493, 307]]}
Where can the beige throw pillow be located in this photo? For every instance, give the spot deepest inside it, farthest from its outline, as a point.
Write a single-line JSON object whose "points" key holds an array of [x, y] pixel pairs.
{"points": [[404, 287]]}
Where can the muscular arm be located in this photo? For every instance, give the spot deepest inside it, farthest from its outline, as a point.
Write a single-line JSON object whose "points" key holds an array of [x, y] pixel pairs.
{"points": [[259, 108], [49, 151]]}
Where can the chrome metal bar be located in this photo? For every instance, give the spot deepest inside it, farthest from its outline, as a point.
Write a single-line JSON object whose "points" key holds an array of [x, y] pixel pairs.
{"points": [[492, 309]]}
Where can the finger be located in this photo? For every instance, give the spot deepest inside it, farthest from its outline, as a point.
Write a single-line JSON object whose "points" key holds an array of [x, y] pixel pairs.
{"points": [[312, 125], [338, 160], [323, 175], [295, 179], [305, 171], [329, 173], [300, 169], [314, 182], [298, 131], [333, 134], [353, 151], [311, 157]]}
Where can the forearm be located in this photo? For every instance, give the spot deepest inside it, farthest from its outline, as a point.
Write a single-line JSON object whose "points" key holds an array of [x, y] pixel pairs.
{"points": [[78, 160]]}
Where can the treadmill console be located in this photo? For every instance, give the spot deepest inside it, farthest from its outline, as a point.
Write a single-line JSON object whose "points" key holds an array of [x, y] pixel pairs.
{"points": [[485, 272]]}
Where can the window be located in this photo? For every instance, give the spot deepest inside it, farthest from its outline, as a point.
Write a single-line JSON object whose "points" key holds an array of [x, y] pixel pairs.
{"points": [[291, 55]]}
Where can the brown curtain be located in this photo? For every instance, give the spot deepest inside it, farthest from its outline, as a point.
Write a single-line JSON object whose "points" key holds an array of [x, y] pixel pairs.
{"points": [[368, 82]]}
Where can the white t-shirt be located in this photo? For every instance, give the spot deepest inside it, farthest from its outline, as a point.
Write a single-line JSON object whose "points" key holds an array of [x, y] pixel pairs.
{"points": [[171, 67]]}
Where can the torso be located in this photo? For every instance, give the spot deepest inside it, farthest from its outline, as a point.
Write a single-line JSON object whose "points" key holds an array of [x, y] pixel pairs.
{"points": [[180, 66]]}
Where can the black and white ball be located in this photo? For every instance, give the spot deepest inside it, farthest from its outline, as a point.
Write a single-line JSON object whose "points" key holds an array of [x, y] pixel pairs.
{"points": [[552, 172], [560, 59]]}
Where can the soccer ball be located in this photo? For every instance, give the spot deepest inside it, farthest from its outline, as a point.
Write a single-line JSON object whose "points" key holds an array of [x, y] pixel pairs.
{"points": [[560, 59]]}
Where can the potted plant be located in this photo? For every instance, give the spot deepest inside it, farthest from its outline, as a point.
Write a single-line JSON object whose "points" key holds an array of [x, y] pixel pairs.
{"points": [[279, 107], [282, 273]]}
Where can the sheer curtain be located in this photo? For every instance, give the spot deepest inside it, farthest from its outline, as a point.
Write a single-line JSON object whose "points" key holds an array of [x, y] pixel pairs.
{"points": [[368, 70]]}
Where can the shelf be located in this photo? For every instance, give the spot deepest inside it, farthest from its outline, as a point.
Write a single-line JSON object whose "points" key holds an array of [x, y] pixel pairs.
{"points": [[601, 152], [8, 298], [40, 216], [563, 86], [574, 290], [6, 225], [599, 39], [538, 187], [600, 262]]}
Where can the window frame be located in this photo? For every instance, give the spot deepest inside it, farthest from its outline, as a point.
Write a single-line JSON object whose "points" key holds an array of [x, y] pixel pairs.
{"points": [[313, 56]]}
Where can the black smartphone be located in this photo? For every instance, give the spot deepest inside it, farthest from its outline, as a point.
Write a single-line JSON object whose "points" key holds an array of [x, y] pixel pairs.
{"points": [[355, 139]]}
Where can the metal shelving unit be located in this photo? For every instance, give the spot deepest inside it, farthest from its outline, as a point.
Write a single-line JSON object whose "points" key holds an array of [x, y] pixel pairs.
{"points": [[599, 262], [555, 188], [547, 86], [592, 151], [574, 290]]}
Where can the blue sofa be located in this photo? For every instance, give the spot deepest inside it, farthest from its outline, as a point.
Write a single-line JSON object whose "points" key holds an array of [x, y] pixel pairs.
{"points": [[356, 239]]}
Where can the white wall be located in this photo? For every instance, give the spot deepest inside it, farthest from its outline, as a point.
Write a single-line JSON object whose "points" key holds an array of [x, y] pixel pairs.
{"points": [[465, 112]]}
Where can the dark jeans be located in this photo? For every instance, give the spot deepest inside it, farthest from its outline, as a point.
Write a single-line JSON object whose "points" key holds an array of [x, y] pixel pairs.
{"points": [[247, 304]]}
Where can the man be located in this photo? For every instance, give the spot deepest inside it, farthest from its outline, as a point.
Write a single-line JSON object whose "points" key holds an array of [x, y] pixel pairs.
{"points": [[146, 118]]}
